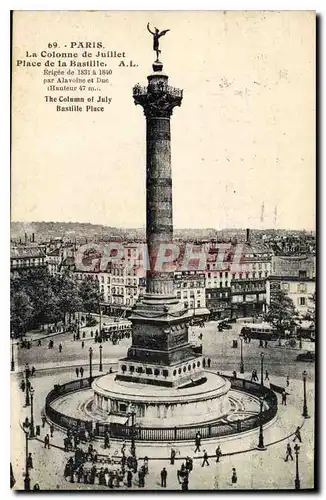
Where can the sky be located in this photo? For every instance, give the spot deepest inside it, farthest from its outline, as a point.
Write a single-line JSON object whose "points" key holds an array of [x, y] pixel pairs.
{"points": [[244, 135]]}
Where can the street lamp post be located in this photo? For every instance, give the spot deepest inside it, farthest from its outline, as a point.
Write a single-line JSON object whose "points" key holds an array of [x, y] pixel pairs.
{"points": [[241, 356], [90, 365], [262, 368], [100, 327], [27, 373], [261, 445], [297, 478], [305, 409], [27, 479], [12, 352], [132, 413], [31, 428], [101, 366]]}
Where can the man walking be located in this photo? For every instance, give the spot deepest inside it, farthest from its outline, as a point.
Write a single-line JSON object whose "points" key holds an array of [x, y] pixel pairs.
{"points": [[218, 453], [288, 452], [43, 420], [163, 477], [60, 347], [284, 397], [266, 375], [205, 461], [77, 372], [297, 435], [197, 442], [47, 442], [81, 372], [51, 430], [172, 456], [287, 381]]}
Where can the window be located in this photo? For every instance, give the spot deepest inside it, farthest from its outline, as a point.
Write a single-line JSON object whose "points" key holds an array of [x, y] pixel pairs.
{"points": [[302, 274], [302, 301], [285, 287], [131, 369], [179, 371], [149, 371], [194, 365], [198, 364], [123, 368], [174, 372], [226, 284], [221, 284], [247, 275], [208, 275], [165, 373], [198, 303], [156, 371], [302, 288], [178, 295], [184, 368], [226, 274], [189, 368]]}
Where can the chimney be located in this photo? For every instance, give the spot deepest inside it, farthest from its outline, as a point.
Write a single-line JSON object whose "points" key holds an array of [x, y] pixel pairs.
{"points": [[247, 235]]}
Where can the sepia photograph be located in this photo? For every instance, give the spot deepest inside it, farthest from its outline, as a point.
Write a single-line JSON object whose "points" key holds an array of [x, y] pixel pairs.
{"points": [[163, 251]]}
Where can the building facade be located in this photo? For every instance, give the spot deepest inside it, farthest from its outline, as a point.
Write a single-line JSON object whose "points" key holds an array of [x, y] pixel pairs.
{"points": [[295, 275]]}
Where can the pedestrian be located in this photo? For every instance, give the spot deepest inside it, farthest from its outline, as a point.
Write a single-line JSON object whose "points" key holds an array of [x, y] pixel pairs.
{"points": [[29, 461], [297, 435], [234, 478], [185, 483], [252, 376], [23, 385], [60, 347], [47, 441], [33, 371], [106, 440], [218, 453], [205, 461], [83, 344], [234, 373], [163, 477], [81, 372], [204, 363], [74, 337], [43, 420], [197, 441], [77, 372], [287, 381], [266, 375], [209, 362], [123, 447], [39, 343], [129, 479], [172, 456], [66, 471], [284, 397], [288, 452], [266, 343], [110, 371], [51, 430]]}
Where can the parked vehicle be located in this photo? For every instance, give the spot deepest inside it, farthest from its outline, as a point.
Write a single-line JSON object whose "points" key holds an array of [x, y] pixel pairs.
{"points": [[262, 331], [306, 356]]}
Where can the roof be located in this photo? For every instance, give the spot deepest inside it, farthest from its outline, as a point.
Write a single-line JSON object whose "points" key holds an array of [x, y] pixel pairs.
{"points": [[23, 252]]}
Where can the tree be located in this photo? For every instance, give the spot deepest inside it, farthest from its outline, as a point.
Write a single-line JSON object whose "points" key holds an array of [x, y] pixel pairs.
{"points": [[69, 300], [281, 312], [90, 295], [21, 311]]}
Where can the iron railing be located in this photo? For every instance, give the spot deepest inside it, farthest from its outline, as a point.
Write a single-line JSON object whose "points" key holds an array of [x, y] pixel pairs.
{"points": [[182, 433]]}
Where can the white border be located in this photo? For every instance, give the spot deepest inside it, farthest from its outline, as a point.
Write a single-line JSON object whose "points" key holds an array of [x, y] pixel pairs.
{"points": [[6, 6]]}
